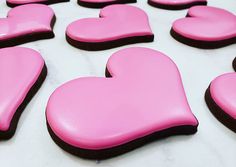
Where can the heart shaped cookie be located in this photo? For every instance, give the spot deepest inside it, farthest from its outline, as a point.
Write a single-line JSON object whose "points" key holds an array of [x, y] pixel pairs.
{"points": [[22, 71], [206, 27], [221, 99], [142, 99], [176, 4], [102, 3], [13, 3], [26, 23], [118, 25]]}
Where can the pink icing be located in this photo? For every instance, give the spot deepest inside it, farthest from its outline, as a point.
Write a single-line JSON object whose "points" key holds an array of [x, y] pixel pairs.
{"points": [[99, 1], [145, 95], [207, 24], [176, 2], [25, 1], [26, 19], [13, 3], [116, 22], [223, 92], [19, 70]]}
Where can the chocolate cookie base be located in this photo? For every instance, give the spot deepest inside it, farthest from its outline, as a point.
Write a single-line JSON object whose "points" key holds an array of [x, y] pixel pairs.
{"points": [[4, 135], [234, 64], [175, 7], [12, 5], [96, 46], [220, 114], [202, 44], [118, 150], [103, 4], [29, 37]]}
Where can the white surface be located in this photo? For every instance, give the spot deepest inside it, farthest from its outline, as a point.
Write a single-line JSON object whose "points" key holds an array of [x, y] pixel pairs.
{"points": [[213, 144]]}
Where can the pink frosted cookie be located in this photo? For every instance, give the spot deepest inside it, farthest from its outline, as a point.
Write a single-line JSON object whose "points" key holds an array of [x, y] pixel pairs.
{"points": [[176, 4], [13, 3], [141, 99], [206, 27], [22, 71], [118, 25], [221, 99], [26, 23], [102, 3]]}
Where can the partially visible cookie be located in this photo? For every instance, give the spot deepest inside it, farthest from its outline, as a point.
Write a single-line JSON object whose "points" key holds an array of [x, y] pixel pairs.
{"points": [[234, 64], [176, 4], [118, 25], [206, 27], [26, 23], [13, 3], [22, 71], [102, 3], [221, 99]]}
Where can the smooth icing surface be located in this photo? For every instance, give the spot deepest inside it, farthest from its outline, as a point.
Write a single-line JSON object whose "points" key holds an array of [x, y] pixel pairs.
{"points": [[99, 1], [207, 24], [116, 22], [176, 2], [26, 19], [223, 92], [25, 1], [145, 95], [19, 70]]}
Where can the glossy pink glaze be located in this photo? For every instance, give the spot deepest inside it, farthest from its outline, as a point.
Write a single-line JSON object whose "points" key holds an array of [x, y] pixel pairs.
{"points": [[98, 1], [223, 92], [207, 24], [145, 95], [19, 2], [19, 70], [116, 22], [26, 19], [176, 2]]}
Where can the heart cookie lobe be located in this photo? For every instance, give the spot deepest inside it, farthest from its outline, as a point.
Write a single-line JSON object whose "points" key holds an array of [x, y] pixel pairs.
{"points": [[206, 27], [102, 3], [118, 25], [176, 4], [26, 23], [22, 71], [220, 98], [14, 3], [142, 100]]}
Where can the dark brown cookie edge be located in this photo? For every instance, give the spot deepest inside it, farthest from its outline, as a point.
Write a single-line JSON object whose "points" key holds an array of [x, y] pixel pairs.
{"points": [[220, 114], [29, 37], [234, 64], [103, 4], [202, 44], [108, 44], [118, 150], [175, 7], [12, 5]]}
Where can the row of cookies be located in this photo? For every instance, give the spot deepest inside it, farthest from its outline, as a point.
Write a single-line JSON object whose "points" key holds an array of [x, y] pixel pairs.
{"points": [[164, 4], [118, 25]]}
